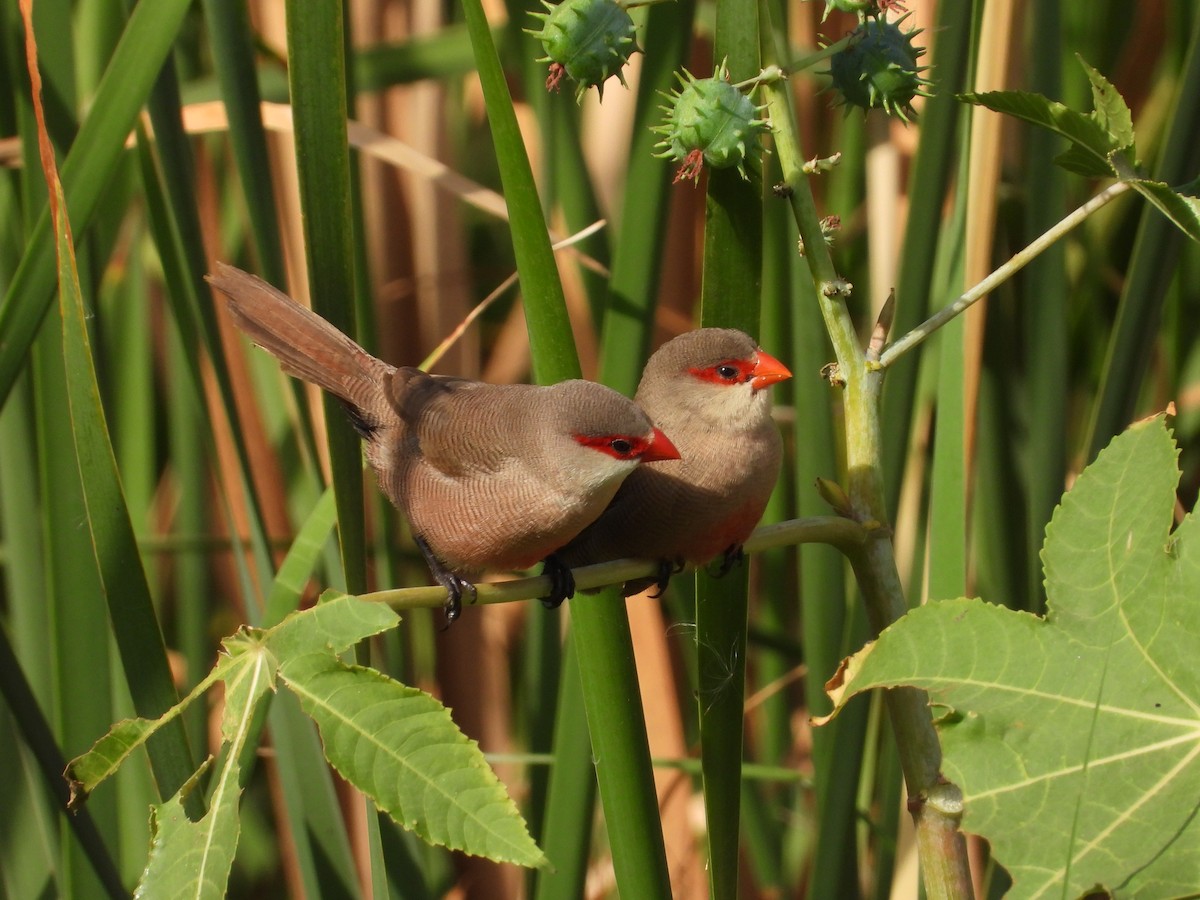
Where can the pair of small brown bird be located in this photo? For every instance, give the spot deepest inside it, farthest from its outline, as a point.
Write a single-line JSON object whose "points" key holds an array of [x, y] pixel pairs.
{"points": [[503, 476]]}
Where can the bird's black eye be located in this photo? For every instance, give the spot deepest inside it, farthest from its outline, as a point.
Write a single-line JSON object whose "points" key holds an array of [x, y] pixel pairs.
{"points": [[728, 372], [621, 446]]}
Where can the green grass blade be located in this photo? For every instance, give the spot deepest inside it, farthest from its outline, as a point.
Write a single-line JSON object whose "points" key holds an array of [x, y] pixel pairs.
{"points": [[627, 329], [620, 746], [444, 54], [82, 701], [931, 174], [542, 683], [301, 560], [24, 577], [772, 624], [233, 57], [638, 252], [948, 503], [87, 171], [1045, 313], [183, 267], [730, 298], [567, 184], [317, 78], [183, 239], [721, 610], [108, 530], [600, 626], [191, 579], [571, 795], [114, 544], [28, 837], [554, 357], [827, 627], [948, 478], [35, 730]]}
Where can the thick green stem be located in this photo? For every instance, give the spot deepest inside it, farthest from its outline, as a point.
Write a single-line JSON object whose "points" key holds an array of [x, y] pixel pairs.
{"points": [[942, 847]]}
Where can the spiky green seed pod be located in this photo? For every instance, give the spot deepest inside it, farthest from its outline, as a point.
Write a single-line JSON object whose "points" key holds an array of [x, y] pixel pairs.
{"points": [[710, 122], [589, 40], [878, 68]]}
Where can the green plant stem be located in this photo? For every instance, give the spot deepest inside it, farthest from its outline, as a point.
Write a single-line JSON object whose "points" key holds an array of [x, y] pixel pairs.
{"points": [[942, 847], [1018, 261], [842, 533], [750, 771], [731, 297], [600, 630]]}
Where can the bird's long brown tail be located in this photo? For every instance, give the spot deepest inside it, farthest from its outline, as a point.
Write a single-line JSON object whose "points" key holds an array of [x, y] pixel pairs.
{"points": [[305, 344]]}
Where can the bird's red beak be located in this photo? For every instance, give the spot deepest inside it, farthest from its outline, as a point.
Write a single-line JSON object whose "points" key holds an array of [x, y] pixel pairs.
{"points": [[767, 371], [660, 447]]}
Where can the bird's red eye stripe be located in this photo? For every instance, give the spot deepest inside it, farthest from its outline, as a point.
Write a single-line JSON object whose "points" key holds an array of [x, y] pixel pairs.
{"points": [[729, 371], [619, 446]]}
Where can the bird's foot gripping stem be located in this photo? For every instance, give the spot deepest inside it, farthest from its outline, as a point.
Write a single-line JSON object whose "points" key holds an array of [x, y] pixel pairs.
{"points": [[666, 569], [732, 556], [456, 586], [562, 582]]}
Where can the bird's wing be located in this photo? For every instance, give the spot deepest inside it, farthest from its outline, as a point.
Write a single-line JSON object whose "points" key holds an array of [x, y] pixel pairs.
{"points": [[454, 424]]}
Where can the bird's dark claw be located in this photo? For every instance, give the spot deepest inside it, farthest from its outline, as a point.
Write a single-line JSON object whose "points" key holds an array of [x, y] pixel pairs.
{"points": [[456, 586], [456, 589], [732, 556], [666, 568], [562, 582]]}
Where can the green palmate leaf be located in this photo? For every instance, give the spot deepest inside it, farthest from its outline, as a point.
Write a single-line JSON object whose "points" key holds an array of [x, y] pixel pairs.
{"points": [[106, 756], [399, 746], [336, 623], [1082, 161], [1176, 204], [248, 673], [1091, 143], [241, 672], [248, 668], [193, 859], [1111, 112], [1097, 139], [1076, 738]]}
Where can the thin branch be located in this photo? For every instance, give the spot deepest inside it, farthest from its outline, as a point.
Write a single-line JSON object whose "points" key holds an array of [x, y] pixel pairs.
{"points": [[844, 534], [1002, 274]]}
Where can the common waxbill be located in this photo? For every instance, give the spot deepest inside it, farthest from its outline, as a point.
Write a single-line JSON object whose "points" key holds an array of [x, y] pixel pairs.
{"points": [[489, 476], [707, 389]]}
